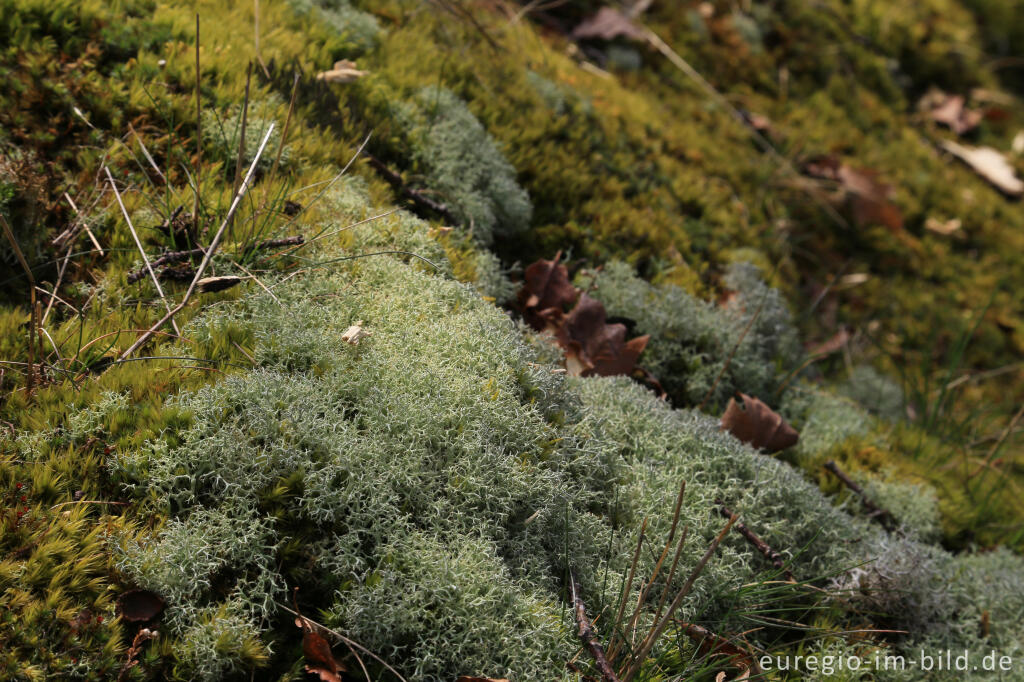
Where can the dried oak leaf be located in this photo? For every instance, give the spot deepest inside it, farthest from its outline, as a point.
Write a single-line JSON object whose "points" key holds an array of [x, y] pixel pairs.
{"points": [[594, 347], [139, 606], [608, 24], [546, 292], [951, 111], [989, 164], [753, 422], [862, 191], [319, 658], [710, 644]]}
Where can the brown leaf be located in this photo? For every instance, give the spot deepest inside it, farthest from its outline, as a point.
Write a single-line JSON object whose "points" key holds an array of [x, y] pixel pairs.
{"points": [[594, 347], [608, 24], [866, 196], [319, 658], [344, 71], [211, 284], [832, 344], [951, 111], [138, 606], [753, 422], [989, 164], [546, 293]]}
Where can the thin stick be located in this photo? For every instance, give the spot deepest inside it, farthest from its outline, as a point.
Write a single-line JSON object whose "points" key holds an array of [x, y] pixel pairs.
{"points": [[209, 251], [262, 285], [760, 545], [587, 634], [60, 278], [874, 511], [199, 131], [135, 236], [32, 302], [85, 225], [659, 627]]}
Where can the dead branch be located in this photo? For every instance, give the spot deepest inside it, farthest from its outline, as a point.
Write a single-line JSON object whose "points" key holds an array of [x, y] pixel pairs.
{"points": [[587, 634], [417, 196], [760, 545], [176, 256], [875, 512]]}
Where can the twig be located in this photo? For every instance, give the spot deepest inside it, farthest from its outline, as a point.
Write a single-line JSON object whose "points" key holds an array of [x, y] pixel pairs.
{"points": [[874, 511], [587, 634], [760, 545], [659, 626], [713, 644], [176, 256], [209, 251], [145, 258], [396, 181], [262, 285], [32, 301]]}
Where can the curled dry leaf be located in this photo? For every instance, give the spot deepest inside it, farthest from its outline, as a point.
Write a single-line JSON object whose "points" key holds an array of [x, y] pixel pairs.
{"points": [[355, 333], [950, 111], [753, 422], [344, 71], [866, 196], [989, 164], [211, 284], [608, 24], [713, 645], [139, 606], [594, 347], [546, 292], [319, 658]]}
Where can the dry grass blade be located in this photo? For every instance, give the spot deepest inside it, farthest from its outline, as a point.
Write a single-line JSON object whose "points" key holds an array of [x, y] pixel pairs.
{"points": [[145, 258], [85, 225], [145, 152], [661, 560], [613, 643], [32, 301], [235, 203], [659, 626]]}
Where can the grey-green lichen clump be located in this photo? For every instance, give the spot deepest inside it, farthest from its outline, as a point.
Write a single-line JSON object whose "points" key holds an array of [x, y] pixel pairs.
{"points": [[430, 486]]}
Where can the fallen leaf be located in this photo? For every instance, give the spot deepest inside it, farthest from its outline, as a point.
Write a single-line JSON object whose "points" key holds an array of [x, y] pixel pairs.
{"points": [[948, 227], [138, 606], [753, 422], [319, 658], [344, 71], [211, 284], [866, 195], [594, 347], [712, 645], [608, 24], [546, 292], [989, 164], [951, 111], [355, 333]]}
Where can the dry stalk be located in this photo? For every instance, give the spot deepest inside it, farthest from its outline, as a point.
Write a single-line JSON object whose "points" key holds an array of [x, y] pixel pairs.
{"points": [[235, 203], [32, 301]]}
